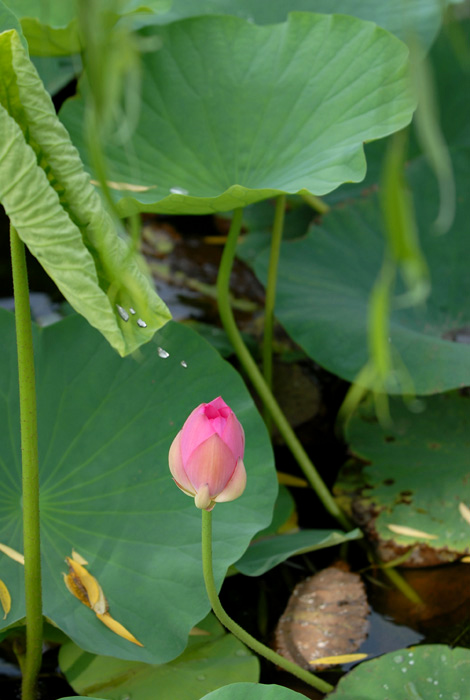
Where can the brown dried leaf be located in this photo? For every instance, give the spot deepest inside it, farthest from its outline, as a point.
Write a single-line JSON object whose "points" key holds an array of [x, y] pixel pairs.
{"points": [[326, 616]]}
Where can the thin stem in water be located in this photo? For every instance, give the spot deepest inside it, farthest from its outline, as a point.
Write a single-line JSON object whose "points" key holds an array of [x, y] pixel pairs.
{"points": [[276, 239], [234, 628], [30, 469], [257, 379]]}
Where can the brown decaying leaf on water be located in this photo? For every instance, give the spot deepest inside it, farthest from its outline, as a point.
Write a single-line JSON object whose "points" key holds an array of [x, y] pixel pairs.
{"points": [[326, 616], [86, 588]]}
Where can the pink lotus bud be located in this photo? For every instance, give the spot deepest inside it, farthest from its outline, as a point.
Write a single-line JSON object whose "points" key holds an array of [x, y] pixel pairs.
{"points": [[206, 457]]}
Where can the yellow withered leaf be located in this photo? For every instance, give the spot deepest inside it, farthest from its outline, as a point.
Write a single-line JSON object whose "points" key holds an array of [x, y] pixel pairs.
{"points": [[464, 512], [341, 659], [411, 532], [12, 553], [465, 560], [124, 186], [5, 598], [117, 628], [291, 480], [84, 586], [78, 558]]}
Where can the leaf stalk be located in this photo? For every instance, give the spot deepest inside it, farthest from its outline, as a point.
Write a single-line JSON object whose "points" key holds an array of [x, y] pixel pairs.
{"points": [[30, 469]]}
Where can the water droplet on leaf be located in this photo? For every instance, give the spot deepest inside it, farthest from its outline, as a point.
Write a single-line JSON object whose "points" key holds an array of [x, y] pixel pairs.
{"points": [[141, 323], [122, 313], [163, 353], [178, 190]]}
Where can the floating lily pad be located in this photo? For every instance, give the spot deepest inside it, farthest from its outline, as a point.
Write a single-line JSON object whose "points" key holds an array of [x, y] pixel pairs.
{"points": [[279, 108], [264, 554], [425, 672], [325, 280], [409, 491], [250, 691], [105, 427], [210, 660]]}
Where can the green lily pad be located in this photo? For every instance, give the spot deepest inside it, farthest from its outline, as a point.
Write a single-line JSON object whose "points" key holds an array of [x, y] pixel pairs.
{"points": [[208, 662], [59, 215], [415, 18], [57, 71], [51, 27], [325, 280], [279, 108], [415, 475], [105, 427], [425, 672], [264, 554], [250, 691], [8, 20]]}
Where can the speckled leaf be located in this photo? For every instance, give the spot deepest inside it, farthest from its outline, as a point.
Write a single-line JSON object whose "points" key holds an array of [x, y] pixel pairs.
{"points": [[280, 108], [264, 554], [325, 281], [427, 672], [105, 427], [208, 662], [59, 215], [416, 475]]}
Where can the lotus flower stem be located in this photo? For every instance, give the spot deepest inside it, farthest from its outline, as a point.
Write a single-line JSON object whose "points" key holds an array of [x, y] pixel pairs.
{"points": [[276, 239], [257, 379], [234, 628], [30, 469]]}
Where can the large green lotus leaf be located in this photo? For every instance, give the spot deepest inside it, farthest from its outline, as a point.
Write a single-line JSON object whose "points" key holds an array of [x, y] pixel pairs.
{"points": [[105, 427], [59, 215], [281, 108], [251, 691], [325, 280], [405, 18], [425, 672], [264, 554], [51, 27], [415, 474], [207, 663], [8, 20]]}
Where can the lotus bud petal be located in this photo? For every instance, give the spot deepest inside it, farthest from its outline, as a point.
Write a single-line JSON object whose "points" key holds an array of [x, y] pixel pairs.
{"points": [[206, 457]]}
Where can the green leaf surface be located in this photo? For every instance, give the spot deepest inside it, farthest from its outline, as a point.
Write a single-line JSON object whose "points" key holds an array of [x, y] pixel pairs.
{"points": [[8, 20], [264, 554], [57, 71], [283, 510], [51, 26], [252, 691], [281, 108], [325, 280], [405, 18], [425, 672], [207, 663], [59, 215], [105, 427], [416, 472]]}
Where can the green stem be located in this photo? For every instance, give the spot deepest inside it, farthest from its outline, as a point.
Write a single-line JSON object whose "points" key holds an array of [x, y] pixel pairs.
{"points": [[276, 239], [316, 203], [234, 628], [256, 378], [30, 469]]}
